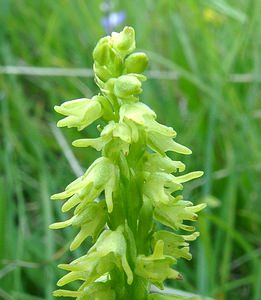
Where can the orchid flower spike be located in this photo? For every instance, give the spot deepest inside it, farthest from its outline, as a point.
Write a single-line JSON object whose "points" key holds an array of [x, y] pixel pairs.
{"points": [[128, 190]]}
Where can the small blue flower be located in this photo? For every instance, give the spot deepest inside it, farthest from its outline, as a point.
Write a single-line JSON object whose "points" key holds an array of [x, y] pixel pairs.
{"points": [[112, 20]]}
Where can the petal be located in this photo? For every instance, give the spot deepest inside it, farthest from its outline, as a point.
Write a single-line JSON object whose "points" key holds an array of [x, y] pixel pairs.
{"points": [[162, 144], [136, 112], [189, 176], [98, 143], [66, 293], [63, 224]]}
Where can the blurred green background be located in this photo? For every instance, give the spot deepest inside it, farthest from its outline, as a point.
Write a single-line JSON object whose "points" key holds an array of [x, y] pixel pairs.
{"points": [[204, 81]]}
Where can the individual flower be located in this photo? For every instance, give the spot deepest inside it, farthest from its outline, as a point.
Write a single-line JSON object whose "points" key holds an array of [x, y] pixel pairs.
{"points": [[176, 212], [154, 162], [158, 187], [175, 245], [102, 175], [79, 113], [91, 219], [109, 251], [156, 267]]}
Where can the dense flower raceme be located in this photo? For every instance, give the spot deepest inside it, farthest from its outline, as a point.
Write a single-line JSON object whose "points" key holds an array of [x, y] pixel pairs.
{"points": [[126, 191]]}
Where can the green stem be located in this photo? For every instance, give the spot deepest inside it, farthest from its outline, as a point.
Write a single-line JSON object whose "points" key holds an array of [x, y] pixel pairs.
{"points": [[127, 204]]}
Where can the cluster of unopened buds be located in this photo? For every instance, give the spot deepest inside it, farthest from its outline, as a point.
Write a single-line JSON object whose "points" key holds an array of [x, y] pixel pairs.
{"points": [[129, 190]]}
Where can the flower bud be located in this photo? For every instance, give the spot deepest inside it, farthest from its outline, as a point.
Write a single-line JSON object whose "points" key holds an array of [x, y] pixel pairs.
{"points": [[126, 86], [124, 42], [107, 63], [109, 85], [101, 52], [102, 73], [136, 62]]}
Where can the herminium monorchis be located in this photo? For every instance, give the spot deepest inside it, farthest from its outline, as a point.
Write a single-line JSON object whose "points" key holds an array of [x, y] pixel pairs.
{"points": [[129, 189]]}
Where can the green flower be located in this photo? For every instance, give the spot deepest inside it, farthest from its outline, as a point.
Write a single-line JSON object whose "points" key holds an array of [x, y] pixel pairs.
{"points": [[109, 251], [154, 162], [102, 175], [79, 113], [175, 245], [156, 267], [91, 219], [175, 212]]}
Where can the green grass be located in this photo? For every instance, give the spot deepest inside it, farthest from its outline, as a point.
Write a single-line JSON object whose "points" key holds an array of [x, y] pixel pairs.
{"points": [[218, 118]]}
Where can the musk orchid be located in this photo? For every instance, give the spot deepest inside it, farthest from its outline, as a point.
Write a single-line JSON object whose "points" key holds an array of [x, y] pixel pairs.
{"points": [[131, 188]]}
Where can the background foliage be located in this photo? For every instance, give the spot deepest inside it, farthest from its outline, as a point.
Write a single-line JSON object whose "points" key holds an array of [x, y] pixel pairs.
{"points": [[203, 45]]}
